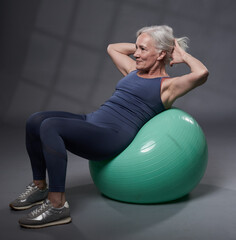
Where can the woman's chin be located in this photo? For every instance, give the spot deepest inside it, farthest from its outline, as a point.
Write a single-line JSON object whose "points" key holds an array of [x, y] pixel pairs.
{"points": [[138, 67]]}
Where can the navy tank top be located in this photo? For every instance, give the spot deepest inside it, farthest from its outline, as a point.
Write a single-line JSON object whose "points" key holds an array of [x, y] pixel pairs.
{"points": [[135, 101]]}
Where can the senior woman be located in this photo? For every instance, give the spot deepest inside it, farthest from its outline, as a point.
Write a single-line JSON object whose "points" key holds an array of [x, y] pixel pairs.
{"points": [[145, 91]]}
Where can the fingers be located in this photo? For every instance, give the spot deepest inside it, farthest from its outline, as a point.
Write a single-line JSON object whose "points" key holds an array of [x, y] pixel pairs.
{"points": [[176, 42], [173, 49], [176, 45]]}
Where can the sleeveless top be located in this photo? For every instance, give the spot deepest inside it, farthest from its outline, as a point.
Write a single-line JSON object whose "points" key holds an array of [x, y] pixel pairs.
{"points": [[135, 101]]}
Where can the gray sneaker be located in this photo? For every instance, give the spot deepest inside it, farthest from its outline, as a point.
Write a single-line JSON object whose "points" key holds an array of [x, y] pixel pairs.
{"points": [[31, 197], [46, 215]]}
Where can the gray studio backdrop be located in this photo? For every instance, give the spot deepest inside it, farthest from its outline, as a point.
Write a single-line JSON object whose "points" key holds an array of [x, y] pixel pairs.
{"points": [[53, 53]]}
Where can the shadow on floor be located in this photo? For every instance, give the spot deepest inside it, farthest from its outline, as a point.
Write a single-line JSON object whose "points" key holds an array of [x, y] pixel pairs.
{"points": [[112, 218]]}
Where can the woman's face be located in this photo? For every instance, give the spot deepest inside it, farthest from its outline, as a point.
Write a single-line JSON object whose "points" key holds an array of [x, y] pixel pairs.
{"points": [[146, 53]]}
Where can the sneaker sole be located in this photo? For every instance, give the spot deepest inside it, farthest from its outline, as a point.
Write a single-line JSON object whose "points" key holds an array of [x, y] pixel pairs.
{"points": [[25, 207], [59, 222]]}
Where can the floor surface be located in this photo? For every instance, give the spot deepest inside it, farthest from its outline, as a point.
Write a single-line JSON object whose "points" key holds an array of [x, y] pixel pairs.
{"points": [[207, 213]]}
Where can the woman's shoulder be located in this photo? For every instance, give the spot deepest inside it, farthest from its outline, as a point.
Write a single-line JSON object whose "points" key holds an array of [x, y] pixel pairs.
{"points": [[133, 72]]}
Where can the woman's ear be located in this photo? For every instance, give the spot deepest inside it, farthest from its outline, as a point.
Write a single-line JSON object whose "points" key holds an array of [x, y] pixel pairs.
{"points": [[161, 56]]}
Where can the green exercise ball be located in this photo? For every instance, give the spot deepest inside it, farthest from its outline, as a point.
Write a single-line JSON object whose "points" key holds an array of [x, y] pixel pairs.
{"points": [[165, 161]]}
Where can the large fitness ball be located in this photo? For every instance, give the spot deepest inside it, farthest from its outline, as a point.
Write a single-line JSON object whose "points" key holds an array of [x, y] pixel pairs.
{"points": [[164, 162]]}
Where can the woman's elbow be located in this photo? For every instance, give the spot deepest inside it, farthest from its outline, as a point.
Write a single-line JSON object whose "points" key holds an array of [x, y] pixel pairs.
{"points": [[110, 47], [203, 76]]}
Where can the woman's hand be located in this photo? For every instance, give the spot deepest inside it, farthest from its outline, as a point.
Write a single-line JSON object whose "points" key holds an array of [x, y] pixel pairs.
{"points": [[178, 54]]}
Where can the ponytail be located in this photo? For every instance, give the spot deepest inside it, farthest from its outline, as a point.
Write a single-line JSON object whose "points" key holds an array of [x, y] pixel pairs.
{"points": [[183, 42]]}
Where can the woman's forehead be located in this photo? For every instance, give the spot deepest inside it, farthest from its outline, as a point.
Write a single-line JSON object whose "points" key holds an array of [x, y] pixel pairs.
{"points": [[145, 40]]}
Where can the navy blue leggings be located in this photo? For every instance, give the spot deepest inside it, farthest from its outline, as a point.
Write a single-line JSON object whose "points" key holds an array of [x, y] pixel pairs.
{"points": [[50, 134]]}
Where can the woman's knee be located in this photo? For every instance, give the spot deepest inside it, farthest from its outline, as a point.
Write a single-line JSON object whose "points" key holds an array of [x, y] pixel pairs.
{"points": [[33, 123], [53, 143], [47, 127]]}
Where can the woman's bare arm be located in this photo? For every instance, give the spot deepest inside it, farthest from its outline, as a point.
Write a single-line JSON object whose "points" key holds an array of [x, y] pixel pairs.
{"points": [[120, 55], [178, 86]]}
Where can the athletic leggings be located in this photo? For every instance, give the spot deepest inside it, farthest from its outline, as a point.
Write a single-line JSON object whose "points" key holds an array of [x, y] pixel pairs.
{"points": [[49, 134]]}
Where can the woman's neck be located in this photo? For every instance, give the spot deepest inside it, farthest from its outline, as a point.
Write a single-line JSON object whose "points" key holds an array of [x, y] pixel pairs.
{"points": [[152, 73]]}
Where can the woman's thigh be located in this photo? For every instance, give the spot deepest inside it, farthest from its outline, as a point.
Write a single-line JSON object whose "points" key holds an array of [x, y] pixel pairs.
{"points": [[41, 116], [35, 120], [85, 139]]}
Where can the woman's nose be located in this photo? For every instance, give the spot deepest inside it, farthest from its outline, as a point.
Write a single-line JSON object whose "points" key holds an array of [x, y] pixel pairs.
{"points": [[136, 53]]}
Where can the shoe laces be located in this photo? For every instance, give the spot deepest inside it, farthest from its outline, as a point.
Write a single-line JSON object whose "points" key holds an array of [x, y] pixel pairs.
{"points": [[41, 208], [28, 190]]}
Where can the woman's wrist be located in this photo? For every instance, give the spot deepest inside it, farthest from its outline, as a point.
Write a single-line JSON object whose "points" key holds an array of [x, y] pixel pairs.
{"points": [[186, 57]]}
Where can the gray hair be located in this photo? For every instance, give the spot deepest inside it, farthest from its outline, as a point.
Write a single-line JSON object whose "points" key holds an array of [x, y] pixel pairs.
{"points": [[164, 39]]}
